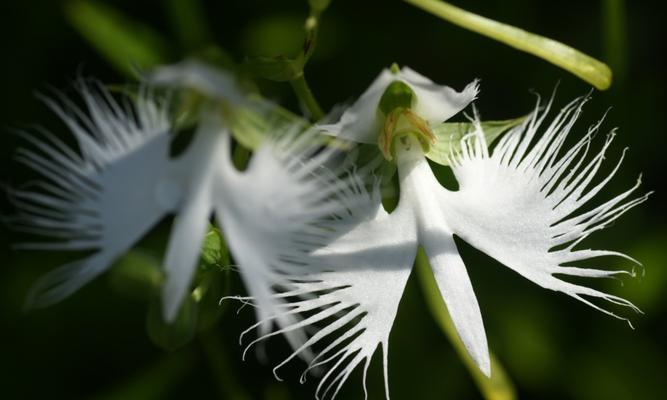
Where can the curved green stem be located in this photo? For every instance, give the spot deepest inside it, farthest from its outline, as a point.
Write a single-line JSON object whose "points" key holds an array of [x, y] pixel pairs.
{"points": [[585, 67], [306, 97], [499, 386]]}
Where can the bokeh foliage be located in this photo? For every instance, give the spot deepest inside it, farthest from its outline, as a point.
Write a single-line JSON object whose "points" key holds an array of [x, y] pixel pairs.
{"points": [[95, 344]]}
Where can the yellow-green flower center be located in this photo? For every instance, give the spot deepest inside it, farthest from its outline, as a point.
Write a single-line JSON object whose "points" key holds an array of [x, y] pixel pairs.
{"points": [[400, 120]]}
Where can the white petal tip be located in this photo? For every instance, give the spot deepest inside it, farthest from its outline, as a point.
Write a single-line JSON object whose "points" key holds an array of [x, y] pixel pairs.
{"points": [[485, 367]]}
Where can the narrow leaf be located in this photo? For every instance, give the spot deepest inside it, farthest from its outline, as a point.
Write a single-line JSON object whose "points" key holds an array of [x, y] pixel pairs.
{"points": [[585, 67]]}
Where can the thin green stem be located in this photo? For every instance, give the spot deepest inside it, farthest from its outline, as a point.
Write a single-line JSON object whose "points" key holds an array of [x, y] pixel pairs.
{"points": [[218, 360], [585, 67], [499, 386], [615, 34], [305, 95]]}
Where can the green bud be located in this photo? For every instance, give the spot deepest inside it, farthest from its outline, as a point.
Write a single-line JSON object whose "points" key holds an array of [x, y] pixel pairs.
{"points": [[395, 69], [214, 251], [397, 95]]}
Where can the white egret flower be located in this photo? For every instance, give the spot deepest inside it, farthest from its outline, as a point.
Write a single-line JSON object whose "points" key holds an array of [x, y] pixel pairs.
{"points": [[122, 181], [520, 203]]}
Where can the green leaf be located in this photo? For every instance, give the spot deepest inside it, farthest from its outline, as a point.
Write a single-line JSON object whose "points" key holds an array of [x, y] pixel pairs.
{"points": [[125, 43], [585, 67], [449, 134], [172, 335], [498, 386]]}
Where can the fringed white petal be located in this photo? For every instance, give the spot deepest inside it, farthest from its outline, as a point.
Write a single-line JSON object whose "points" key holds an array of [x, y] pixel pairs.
{"points": [[522, 204], [350, 293], [269, 215], [421, 190], [435, 103], [90, 201]]}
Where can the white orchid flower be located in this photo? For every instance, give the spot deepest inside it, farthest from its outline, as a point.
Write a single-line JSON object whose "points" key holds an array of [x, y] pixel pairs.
{"points": [[520, 204], [122, 181]]}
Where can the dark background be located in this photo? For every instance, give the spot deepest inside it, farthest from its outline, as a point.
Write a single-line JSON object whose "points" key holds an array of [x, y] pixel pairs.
{"points": [[94, 344]]}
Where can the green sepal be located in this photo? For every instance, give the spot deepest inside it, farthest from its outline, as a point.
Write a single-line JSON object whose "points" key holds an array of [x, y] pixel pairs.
{"points": [[214, 253], [397, 95], [125, 43], [449, 134]]}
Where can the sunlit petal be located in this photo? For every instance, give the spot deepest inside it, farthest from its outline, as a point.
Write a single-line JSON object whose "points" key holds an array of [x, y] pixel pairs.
{"points": [[421, 190], [352, 294], [522, 203]]}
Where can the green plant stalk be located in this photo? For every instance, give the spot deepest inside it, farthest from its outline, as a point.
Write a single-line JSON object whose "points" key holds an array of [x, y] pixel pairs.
{"points": [[299, 84], [499, 386], [221, 371], [305, 95], [615, 34], [585, 67]]}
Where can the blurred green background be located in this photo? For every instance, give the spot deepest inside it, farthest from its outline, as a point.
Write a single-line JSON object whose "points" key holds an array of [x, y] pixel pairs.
{"points": [[95, 345]]}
